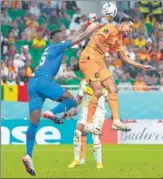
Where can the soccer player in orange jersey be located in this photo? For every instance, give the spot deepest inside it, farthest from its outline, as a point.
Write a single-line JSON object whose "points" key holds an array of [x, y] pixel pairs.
{"points": [[107, 39]]}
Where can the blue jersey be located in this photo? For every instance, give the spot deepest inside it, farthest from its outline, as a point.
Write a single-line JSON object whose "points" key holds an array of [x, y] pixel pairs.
{"points": [[51, 59]]}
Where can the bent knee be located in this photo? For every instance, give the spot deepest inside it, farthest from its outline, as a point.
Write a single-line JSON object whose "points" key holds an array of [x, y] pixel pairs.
{"points": [[98, 92], [96, 139], [77, 135], [114, 89]]}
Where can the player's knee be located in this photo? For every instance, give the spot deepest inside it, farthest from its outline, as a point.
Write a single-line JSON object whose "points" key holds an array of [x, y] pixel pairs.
{"points": [[77, 135], [114, 89], [35, 117], [98, 92], [80, 127], [96, 139]]}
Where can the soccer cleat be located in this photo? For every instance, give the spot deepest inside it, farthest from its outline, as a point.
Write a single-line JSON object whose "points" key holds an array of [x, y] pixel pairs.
{"points": [[74, 164], [28, 163], [82, 161], [99, 166], [51, 116], [118, 125]]}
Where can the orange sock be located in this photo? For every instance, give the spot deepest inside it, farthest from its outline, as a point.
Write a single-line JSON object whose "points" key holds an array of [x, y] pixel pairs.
{"points": [[83, 147], [92, 108], [114, 106]]}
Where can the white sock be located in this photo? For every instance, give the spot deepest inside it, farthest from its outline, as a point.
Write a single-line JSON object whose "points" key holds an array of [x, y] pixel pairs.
{"points": [[77, 144], [97, 148]]}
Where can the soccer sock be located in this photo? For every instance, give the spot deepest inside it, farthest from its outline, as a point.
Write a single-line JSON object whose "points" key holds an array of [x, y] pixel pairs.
{"points": [[97, 148], [92, 108], [30, 138], [77, 144], [113, 103], [83, 147], [63, 106]]}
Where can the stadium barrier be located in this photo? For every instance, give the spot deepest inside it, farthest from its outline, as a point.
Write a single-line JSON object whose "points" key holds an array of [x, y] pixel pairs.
{"points": [[143, 132], [133, 105], [18, 93], [143, 111]]}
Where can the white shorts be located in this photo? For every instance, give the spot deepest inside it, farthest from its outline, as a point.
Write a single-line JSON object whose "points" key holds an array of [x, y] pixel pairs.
{"points": [[97, 121]]}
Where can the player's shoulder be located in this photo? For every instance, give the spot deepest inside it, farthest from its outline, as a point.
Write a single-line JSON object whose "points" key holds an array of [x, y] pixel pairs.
{"points": [[109, 28]]}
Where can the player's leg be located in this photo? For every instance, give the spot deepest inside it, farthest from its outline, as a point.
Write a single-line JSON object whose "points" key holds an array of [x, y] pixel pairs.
{"points": [[97, 150], [77, 146], [78, 137], [96, 136], [67, 101], [30, 141], [56, 93], [110, 85], [97, 92], [83, 148], [90, 69], [35, 106]]}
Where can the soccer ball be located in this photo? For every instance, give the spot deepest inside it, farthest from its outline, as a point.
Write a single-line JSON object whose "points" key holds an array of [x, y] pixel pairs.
{"points": [[109, 9]]}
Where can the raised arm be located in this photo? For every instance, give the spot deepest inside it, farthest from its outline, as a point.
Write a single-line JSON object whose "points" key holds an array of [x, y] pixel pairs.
{"points": [[85, 35], [91, 19], [131, 62]]}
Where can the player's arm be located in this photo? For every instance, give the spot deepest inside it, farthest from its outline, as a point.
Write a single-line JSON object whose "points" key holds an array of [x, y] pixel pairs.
{"points": [[85, 35], [131, 62], [91, 19]]}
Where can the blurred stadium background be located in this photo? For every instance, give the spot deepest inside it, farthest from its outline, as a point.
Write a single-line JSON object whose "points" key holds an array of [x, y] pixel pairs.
{"points": [[25, 29]]}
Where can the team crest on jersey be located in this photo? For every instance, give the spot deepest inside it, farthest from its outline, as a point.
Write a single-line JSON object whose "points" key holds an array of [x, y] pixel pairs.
{"points": [[96, 75], [106, 31]]}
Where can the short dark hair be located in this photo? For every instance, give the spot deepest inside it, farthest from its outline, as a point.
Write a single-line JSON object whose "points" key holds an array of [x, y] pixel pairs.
{"points": [[127, 19], [52, 34]]}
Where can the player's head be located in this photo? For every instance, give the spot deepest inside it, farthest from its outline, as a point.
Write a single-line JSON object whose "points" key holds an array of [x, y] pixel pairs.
{"points": [[57, 36], [109, 10], [126, 25]]}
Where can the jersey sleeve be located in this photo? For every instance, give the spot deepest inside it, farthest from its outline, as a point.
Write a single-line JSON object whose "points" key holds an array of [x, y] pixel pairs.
{"points": [[60, 47], [67, 44]]}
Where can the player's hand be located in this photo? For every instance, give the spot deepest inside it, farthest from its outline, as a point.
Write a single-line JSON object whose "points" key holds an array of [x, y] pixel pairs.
{"points": [[146, 67], [92, 18]]}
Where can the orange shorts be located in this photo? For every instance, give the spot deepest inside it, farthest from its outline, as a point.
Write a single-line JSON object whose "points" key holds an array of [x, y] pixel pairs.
{"points": [[94, 70]]}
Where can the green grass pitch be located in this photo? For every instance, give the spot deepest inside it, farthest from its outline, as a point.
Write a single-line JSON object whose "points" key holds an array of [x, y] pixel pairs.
{"points": [[120, 161]]}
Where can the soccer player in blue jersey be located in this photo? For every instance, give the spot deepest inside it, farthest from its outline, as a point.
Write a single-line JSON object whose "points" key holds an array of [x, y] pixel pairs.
{"points": [[42, 86]]}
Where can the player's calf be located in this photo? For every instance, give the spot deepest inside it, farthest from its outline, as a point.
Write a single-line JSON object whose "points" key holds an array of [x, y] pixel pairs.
{"points": [[65, 105], [83, 149], [97, 150], [77, 147]]}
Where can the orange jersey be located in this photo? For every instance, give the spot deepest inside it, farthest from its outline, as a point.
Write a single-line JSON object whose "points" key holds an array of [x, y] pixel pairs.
{"points": [[106, 39]]}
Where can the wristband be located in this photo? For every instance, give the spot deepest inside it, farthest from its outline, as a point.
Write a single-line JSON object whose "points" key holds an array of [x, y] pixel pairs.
{"points": [[107, 54]]}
